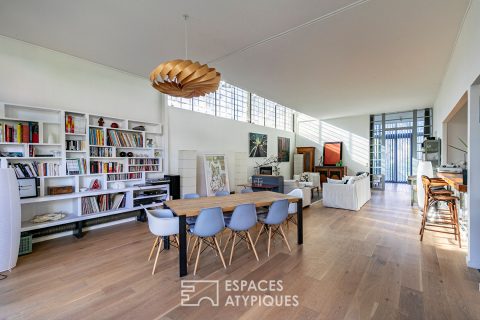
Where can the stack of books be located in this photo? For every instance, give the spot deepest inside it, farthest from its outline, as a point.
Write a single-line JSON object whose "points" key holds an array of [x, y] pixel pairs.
{"points": [[96, 137], [75, 124], [125, 139], [23, 132]]}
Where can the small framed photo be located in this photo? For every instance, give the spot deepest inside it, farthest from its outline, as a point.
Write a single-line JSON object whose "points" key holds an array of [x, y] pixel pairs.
{"points": [[28, 187]]}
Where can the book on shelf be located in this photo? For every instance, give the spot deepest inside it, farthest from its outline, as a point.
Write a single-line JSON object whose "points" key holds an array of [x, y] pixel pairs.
{"points": [[96, 136], [75, 124], [35, 169], [118, 138], [22, 132], [76, 166]]}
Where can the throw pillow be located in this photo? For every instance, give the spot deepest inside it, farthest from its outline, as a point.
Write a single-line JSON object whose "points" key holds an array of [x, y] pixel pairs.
{"points": [[334, 181]]}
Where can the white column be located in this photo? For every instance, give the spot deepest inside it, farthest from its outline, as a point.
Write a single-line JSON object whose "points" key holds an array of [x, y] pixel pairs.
{"points": [[473, 199]]}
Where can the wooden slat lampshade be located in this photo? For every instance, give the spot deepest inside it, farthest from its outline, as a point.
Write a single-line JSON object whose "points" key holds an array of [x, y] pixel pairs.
{"points": [[185, 78]]}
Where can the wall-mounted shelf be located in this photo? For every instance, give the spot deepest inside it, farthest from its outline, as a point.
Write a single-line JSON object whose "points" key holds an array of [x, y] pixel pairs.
{"points": [[54, 131]]}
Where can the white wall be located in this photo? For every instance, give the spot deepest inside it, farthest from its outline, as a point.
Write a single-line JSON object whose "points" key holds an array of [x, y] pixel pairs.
{"points": [[352, 131], [457, 127], [463, 69], [190, 130], [36, 76], [473, 197]]}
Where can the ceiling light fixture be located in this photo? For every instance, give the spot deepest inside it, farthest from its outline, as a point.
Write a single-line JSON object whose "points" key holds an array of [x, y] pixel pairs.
{"points": [[185, 78]]}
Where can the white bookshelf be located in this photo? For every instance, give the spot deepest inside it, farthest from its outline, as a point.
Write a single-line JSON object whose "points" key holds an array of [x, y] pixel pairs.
{"points": [[52, 148]]}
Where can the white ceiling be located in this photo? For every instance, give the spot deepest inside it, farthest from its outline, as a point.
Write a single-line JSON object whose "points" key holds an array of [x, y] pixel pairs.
{"points": [[380, 55]]}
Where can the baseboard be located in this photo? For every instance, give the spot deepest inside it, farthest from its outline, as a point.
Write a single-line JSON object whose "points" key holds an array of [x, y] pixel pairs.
{"points": [[69, 233]]}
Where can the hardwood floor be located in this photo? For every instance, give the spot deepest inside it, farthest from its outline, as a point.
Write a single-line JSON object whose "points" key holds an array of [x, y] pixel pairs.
{"points": [[353, 265]]}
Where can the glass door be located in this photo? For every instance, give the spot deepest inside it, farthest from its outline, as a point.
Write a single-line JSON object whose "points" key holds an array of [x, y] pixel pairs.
{"points": [[398, 155]]}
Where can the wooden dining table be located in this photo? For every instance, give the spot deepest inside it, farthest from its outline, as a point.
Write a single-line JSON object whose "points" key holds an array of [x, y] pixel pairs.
{"points": [[184, 208]]}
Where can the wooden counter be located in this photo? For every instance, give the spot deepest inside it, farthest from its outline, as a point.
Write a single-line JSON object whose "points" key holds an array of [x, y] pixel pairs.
{"points": [[455, 180]]}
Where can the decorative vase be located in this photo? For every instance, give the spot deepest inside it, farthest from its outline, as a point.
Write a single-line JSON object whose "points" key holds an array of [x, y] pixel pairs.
{"points": [[424, 169]]}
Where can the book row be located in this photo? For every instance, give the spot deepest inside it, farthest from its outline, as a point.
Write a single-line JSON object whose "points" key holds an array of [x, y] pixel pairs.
{"points": [[143, 161], [104, 202], [35, 169], [125, 139], [96, 137], [75, 145], [101, 152], [23, 132], [105, 167], [124, 176]]}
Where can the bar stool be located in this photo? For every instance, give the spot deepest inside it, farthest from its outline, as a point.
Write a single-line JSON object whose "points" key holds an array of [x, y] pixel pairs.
{"points": [[446, 221]]}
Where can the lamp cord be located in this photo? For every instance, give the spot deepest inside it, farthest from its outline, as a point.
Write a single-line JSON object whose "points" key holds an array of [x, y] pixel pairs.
{"points": [[185, 17]]}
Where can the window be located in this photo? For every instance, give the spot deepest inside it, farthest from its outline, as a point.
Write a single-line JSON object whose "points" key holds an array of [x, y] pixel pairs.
{"points": [[269, 113], [181, 103], [280, 117], [205, 104], [241, 104], [225, 97], [235, 103], [258, 110], [289, 119]]}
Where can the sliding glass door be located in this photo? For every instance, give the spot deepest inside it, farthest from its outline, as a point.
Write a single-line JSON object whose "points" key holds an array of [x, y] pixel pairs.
{"points": [[395, 143]]}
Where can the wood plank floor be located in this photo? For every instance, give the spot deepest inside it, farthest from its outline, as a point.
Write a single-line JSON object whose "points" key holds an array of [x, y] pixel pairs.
{"points": [[353, 265]]}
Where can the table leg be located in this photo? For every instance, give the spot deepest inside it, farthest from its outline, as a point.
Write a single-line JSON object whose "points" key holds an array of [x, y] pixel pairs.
{"points": [[182, 256], [300, 221], [166, 243]]}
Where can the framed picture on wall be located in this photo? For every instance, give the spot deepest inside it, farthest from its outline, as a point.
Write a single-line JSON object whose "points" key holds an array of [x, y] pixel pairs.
{"points": [[257, 145], [216, 173], [283, 149], [332, 153]]}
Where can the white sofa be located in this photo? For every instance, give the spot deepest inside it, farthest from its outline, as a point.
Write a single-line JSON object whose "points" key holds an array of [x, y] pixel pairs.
{"points": [[350, 196]]}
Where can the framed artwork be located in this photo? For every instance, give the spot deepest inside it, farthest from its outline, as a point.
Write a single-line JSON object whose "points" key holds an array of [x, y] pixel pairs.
{"points": [[216, 173], [257, 145], [283, 149], [332, 153], [27, 187]]}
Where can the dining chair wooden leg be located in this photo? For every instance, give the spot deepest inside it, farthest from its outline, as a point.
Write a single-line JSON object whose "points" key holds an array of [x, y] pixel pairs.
{"points": [[219, 252], [198, 254], [153, 248], [233, 248], [156, 258], [247, 242], [228, 240], [285, 238], [253, 246], [178, 243], [269, 240], [193, 249], [259, 233], [457, 224]]}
